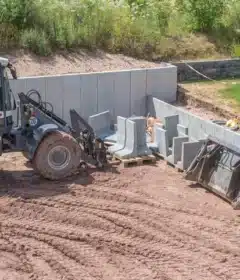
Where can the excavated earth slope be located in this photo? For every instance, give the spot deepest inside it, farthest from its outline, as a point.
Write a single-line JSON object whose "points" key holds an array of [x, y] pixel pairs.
{"points": [[138, 223]]}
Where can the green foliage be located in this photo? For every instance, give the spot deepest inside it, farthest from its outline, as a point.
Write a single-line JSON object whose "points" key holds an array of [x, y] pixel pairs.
{"points": [[36, 41], [236, 51], [17, 12], [232, 92], [142, 28], [202, 15]]}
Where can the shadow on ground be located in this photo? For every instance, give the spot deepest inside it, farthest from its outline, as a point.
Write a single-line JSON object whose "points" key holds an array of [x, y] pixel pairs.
{"points": [[27, 184]]}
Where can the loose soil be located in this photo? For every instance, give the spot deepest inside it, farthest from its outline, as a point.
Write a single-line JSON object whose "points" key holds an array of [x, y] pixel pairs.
{"points": [[137, 223], [82, 61], [208, 95]]}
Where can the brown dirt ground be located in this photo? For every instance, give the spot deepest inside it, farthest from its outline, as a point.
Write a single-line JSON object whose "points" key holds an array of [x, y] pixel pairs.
{"points": [[76, 62], [208, 94], [137, 223]]}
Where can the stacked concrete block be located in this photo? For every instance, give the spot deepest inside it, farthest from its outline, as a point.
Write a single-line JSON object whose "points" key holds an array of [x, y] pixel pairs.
{"points": [[135, 139], [141, 140], [130, 148], [102, 126]]}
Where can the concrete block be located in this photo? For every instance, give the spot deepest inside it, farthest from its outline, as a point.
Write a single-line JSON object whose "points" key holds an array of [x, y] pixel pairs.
{"points": [[72, 96], [130, 149], [122, 94], [101, 124], [38, 84], [120, 136], [198, 128], [18, 86], [162, 83], [55, 94], [138, 92], [154, 146], [106, 96], [170, 125], [182, 130], [162, 137], [177, 148], [112, 138], [189, 152], [89, 99], [142, 148]]}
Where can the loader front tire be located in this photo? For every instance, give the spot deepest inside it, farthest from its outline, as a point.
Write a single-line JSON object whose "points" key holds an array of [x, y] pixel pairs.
{"points": [[58, 156]]}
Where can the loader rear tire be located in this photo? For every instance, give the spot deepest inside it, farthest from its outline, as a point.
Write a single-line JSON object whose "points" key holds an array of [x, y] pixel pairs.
{"points": [[58, 156]]}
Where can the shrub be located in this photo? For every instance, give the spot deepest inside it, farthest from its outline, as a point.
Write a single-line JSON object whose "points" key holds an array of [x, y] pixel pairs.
{"points": [[36, 41], [140, 28]]}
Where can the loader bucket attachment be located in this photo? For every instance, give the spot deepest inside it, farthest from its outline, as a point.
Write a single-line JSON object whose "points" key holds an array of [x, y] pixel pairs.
{"points": [[85, 136], [217, 168], [79, 124]]}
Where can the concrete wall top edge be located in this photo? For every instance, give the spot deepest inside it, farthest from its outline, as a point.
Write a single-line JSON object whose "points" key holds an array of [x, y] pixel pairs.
{"points": [[159, 67], [206, 60]]}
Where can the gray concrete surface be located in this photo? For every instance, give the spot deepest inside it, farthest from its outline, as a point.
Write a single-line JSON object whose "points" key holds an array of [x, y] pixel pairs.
{"points": [[123, 93], [198, 128], [130, 147], [181, 137], [120, 136], [102, 124], [142, 148], [132, 140]]}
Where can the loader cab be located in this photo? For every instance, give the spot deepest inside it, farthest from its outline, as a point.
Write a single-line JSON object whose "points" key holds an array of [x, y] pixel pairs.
{"points": [[7, 101]]}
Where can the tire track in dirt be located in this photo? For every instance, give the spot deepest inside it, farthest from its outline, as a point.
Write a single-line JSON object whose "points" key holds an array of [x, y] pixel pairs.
{"points": [[116, 210], [111, 228], [118, 245], [130, 208], [188, 234], [20, 251], [130, 227]]}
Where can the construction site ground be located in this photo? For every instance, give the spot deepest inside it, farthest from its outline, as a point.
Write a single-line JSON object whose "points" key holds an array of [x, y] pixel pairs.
{"points": [[210, 95], [142, 223]]}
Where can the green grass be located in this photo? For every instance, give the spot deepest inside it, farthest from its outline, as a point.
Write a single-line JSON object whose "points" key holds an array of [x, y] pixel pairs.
{"points": [[232, 92], [152, 29], [228, 81]]}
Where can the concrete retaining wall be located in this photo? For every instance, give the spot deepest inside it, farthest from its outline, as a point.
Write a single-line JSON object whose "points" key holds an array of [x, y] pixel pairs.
{"points": [[214, 69], [123, 92], [182, 134], [198, 128]]}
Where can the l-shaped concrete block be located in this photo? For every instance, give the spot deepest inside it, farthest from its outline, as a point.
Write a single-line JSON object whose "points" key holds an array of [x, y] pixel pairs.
{"points": [[141, 124], [135, 142], [189, 152], [130, 148], [120, 136], [102, 124]]}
